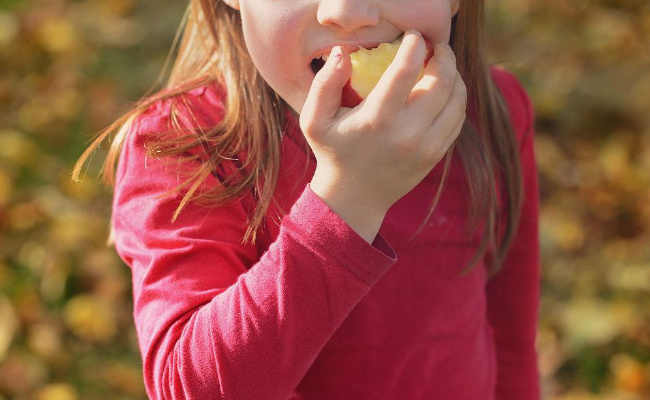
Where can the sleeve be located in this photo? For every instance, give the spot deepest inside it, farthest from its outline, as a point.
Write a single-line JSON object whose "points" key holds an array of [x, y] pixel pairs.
{"points": [[513, 293], [214, 320]]}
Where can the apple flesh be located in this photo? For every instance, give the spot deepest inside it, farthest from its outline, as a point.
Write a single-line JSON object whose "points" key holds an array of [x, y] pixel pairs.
{"points": [[368, 65]]}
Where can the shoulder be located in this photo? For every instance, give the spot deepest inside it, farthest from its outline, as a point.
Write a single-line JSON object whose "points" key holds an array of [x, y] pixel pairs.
{"points": [[170, 123], [196, 108], [517, 99]]}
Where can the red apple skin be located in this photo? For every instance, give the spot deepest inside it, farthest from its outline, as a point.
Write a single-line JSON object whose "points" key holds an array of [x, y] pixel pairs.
{"points": [[350, 98]]}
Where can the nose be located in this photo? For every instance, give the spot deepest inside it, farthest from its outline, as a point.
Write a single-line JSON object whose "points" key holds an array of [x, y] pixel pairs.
{"points": [[347, 15]]}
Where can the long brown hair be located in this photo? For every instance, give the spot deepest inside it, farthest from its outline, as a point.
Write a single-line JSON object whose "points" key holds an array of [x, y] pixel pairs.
{"points": [[212, 50]]}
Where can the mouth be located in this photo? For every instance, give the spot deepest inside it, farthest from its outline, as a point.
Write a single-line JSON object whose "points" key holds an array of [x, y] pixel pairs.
{"points": [[319, 62]]}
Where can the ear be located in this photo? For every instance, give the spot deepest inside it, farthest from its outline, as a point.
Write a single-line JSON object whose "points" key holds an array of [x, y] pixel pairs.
{"points": [[455, 5], [232, 3]]}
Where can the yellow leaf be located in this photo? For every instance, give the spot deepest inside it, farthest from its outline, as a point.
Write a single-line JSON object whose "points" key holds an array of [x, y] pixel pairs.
{"points": [[8, 326], [36, 115], [629, 374], [590, 321], [58, 35], [74, 229], [615, 159], [6, 187], [67, 103], [24, 216], [57, 391], [91, 318], [124, 377], [8, 28], [44, 339], [563, 229], [17, 148]]}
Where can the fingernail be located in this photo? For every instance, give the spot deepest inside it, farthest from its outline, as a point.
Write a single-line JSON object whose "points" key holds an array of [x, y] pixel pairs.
{"points": [[414, 32], [336, 54]]}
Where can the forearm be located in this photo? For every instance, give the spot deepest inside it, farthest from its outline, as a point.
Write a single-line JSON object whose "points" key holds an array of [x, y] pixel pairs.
{"points": [[257, 338]]}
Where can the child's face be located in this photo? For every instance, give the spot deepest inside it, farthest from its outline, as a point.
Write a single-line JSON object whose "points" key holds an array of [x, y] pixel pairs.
{"points": [[284, 36]]}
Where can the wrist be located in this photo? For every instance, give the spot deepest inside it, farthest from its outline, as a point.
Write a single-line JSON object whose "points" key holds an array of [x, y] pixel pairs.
{"points": [[352, 205]]}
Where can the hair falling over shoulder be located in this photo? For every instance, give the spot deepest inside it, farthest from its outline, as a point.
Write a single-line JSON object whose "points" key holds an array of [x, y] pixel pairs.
{"points": [[209, 48]]}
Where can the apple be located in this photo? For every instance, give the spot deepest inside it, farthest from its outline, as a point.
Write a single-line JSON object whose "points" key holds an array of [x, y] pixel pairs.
{"points": [[368, 65]]}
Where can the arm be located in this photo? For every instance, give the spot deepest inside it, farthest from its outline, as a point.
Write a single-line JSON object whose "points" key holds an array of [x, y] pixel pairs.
{"points": [[213, 319], [513, 294]]}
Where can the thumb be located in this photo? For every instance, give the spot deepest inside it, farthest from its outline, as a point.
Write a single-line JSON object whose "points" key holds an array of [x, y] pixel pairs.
{"points": [[324, 97]]}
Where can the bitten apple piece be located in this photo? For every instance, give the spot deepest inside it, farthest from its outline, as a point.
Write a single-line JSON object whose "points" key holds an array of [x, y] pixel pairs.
{"points": [[368, 65]]}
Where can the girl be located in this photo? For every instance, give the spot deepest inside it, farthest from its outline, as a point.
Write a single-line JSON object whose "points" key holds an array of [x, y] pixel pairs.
{"points": [[285, 247]]}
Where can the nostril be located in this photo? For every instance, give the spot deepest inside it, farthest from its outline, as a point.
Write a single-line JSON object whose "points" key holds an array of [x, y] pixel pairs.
{"points": [[317, 64]]}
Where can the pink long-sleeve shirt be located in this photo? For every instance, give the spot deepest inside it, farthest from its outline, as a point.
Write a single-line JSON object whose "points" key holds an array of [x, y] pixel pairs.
{"points": [[312, 311]]}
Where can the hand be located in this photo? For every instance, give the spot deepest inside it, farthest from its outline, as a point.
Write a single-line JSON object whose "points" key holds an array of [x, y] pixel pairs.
{"points": [[369, 156]]}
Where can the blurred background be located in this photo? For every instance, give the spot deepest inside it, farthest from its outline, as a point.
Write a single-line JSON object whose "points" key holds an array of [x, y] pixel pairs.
{"points": [[70, 67]]}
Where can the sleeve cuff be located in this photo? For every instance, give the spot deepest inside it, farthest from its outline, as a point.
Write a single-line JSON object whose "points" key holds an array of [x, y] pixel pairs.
{"points": [[331, 233]]}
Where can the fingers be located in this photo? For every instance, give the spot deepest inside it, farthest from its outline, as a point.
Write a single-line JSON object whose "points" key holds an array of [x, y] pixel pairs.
{"points": [[395, 85], [324, 97], [451, 139], [449, 122], [432, 92]]}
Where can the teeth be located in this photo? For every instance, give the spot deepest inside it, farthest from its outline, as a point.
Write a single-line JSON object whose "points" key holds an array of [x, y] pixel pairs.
{"points": [[325, 57]]}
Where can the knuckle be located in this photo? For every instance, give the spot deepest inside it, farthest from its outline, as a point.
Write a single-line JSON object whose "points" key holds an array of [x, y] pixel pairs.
{"points": [[448, 53], [447, 78], [325, 79], [445, 55], [307, 122], [461, 124], [452, 56], [437, 150], [408, 146], [462, 88], [462, 94], [436, 155], [432, 155], [458, 130], [320, 85], [461, 81], [374, 120]]}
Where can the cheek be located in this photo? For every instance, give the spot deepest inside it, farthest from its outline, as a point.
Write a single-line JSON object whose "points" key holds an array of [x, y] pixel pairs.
{"points": [[270, 39], [273, 43], [262, 38]]}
